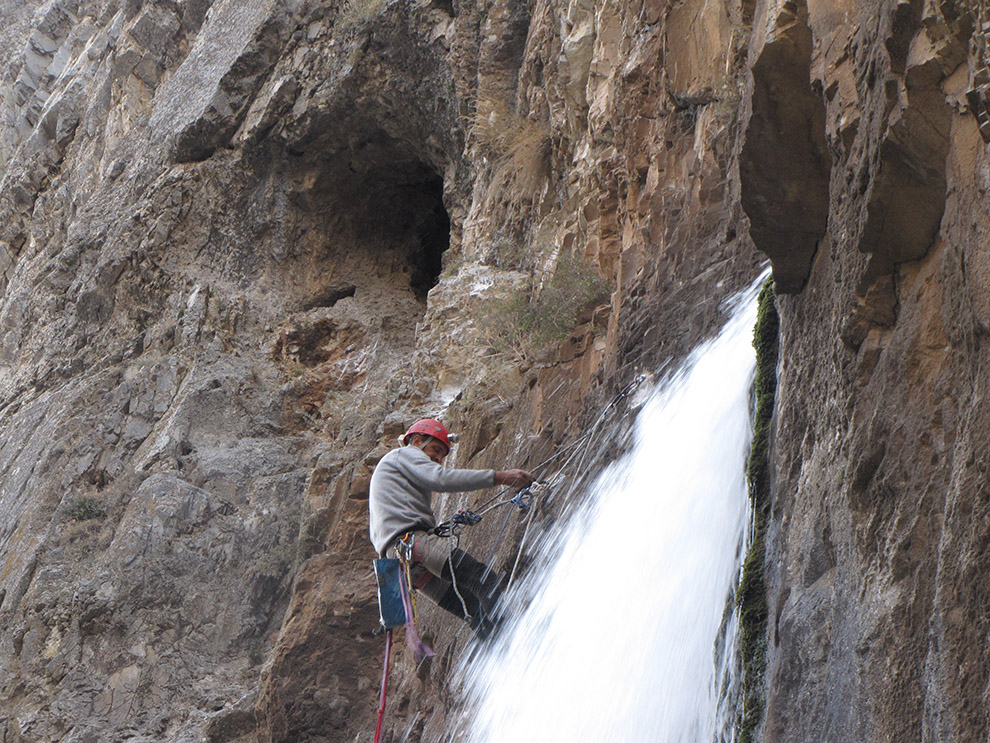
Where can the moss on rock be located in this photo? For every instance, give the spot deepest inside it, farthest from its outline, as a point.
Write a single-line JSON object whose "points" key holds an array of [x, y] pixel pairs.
{"points": [[751, 598]]}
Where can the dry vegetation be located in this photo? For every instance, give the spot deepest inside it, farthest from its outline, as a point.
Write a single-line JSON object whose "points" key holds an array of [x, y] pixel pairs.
{"points": [[519, 147], [530, 324], [355, 11]]}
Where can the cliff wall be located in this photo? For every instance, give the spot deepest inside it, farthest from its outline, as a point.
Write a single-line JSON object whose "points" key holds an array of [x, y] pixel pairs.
{"points": [[243, 244], [877, 556]]}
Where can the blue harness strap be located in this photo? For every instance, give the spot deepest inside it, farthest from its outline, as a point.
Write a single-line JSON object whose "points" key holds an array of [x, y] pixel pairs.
{"points": [[391, 609]]}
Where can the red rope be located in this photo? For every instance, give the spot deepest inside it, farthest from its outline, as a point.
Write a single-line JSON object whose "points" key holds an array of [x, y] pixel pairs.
{"points": [[381, 698]]}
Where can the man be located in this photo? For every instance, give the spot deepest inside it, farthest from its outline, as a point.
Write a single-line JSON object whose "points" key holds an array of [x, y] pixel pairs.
{"points": [[400, 509]]}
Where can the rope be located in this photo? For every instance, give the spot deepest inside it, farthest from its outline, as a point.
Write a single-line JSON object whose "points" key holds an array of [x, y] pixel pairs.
{"points": [[420, 650], [407, 565], [467, 517], [384, 689], [594, 430], [498, 540], [522, 544], [453, 582], [525, 498]]}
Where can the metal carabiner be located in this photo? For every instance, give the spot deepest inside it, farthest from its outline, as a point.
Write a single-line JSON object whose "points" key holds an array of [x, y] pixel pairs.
{"points": [[404, 547], [523, 499]]}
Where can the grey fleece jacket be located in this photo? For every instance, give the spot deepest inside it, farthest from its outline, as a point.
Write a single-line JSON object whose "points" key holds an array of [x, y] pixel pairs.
{"points": [[402, 487]]}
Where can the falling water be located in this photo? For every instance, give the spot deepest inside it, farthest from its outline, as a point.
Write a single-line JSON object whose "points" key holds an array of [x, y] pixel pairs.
{"points": [[626, 635]]}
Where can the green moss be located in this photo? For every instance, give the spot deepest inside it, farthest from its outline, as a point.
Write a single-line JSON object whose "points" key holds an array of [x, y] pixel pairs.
{"points": [[752, 596]]}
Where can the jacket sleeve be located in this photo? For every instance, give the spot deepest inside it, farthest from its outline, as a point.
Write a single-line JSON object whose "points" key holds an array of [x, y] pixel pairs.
{"points": [[428, 475]]}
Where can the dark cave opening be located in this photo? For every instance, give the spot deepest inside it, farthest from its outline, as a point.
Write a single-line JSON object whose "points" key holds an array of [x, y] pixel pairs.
{"points": [[388, 203], [432, 237], [405, 206]]}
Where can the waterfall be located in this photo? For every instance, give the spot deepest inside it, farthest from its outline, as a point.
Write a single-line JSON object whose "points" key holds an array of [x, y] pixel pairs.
{"points": [[625, 634]]}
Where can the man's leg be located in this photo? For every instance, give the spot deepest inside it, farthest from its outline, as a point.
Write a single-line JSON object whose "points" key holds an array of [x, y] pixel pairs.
{"points": [[478, 585], [484, 585], [476, 577]]}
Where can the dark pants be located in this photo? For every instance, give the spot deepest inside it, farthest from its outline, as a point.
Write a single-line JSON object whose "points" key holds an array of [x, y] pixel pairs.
{"points": [[479, 586]]}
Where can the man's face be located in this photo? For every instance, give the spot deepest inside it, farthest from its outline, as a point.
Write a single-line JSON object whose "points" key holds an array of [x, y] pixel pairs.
{"points": [[431, 446]]}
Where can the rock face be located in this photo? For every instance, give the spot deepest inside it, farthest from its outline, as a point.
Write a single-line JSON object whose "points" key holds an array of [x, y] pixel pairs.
{"points": [[242, 244], [878, 556]]}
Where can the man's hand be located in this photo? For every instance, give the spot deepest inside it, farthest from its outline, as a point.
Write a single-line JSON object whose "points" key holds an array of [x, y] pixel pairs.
{"points": [[514, 478]]}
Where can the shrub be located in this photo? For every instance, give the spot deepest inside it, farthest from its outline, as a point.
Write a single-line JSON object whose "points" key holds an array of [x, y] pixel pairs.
{"points": [[529, 324], [84, 508], [355, 11]]}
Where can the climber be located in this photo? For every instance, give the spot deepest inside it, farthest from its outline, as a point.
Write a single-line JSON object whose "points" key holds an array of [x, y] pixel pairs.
{"points": [[402, 522]]}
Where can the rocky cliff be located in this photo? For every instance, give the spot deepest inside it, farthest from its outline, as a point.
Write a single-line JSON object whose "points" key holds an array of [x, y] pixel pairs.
{"points": [[243, 243], [876, 214]]}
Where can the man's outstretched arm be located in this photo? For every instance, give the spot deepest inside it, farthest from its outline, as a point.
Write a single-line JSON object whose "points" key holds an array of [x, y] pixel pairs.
{"points": [[514, 478]]}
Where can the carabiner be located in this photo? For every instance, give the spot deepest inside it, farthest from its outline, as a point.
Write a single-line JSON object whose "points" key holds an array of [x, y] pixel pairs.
{"points": [[523, 499]]}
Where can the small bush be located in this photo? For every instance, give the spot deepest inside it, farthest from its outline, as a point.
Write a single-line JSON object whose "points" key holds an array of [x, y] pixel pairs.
{"points": [[85, 508], [529, 325], [356, 11], [275, 561]]}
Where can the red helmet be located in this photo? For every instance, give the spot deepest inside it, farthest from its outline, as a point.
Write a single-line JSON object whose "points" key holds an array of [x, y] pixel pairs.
{"points": [[429, 427]]}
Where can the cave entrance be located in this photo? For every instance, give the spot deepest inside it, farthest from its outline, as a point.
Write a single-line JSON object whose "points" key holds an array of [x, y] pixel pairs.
{"points": [[384, 205], [399, 208], [429, 234]]}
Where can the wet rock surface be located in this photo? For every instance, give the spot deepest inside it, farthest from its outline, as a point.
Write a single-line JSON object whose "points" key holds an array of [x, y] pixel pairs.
{"points": [[242, 244], [878, 513]]}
